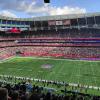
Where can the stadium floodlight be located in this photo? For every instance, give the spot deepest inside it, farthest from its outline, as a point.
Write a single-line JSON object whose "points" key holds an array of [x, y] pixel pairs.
{"points": [[46, 1]]}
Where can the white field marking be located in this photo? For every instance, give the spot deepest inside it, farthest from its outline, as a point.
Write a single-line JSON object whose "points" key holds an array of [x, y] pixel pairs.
{"points": [[10, 68], [14, 68], [10, 58], [71, 78], [79, 71], [35, 57], [30, 70], [83, 75], [93, 73], [40, 71], [58, 59], [53, 72], [7, 59], [62, 73], [98, 70], [47, 58], [60, 68], [78, 75], [85, 69], [19, 69], [23, 69]]}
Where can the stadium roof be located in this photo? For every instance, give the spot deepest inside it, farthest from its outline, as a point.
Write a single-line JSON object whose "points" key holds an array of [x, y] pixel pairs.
{"points": [[56, 17]]}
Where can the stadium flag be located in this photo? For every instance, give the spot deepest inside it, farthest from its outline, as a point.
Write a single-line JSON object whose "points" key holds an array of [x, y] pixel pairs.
{"points": [[66, 22], [59, 22], [51, 22]]}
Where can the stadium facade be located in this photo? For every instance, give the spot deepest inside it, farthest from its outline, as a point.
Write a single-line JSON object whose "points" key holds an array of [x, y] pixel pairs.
{"points": [[68, 36], [90, 20]]}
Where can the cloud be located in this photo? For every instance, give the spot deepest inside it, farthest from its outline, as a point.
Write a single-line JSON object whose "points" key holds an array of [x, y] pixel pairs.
{"points": [[43, 9], [33, 7], [66, 10], [7, 14]]}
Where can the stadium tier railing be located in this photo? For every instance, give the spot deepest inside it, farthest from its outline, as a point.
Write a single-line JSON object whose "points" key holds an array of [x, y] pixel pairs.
{"points": [[47, 38], [50, 45]]}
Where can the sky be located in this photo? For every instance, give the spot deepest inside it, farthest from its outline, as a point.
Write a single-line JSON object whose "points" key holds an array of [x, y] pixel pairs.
{"points": [[34, 8]]}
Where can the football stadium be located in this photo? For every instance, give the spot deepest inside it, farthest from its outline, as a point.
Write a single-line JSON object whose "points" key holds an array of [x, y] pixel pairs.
{"points": [[59, 55]]}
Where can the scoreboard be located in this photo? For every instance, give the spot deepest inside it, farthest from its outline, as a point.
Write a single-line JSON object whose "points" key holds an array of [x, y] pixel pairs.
{"points": [[59, 22]]}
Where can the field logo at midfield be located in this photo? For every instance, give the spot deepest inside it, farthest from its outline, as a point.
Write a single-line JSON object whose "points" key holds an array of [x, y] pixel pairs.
{"points": [[47, 66]]}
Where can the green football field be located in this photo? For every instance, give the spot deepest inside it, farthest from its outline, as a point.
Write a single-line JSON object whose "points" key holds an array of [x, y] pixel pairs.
{"points": [[71, 71]]}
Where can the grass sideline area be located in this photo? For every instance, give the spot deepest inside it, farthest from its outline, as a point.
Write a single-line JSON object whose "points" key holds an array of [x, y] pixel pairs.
{"points": [[70, 71]]}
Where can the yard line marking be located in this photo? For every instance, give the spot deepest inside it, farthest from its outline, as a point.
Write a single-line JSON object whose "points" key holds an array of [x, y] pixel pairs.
{"points": [[78, 73], [72, 75], [61, 64], [93, 73]]}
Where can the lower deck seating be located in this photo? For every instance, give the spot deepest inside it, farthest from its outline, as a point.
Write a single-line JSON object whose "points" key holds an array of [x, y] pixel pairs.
{"points": [[27, 91], [64, 52]]}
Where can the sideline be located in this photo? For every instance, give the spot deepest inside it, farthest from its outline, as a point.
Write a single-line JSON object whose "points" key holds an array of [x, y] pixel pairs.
{"points": [[51, 81], [56, 59], [10, 58]]}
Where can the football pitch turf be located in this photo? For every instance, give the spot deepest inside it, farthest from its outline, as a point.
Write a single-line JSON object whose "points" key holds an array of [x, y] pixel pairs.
{"points": [[70, 71]]}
